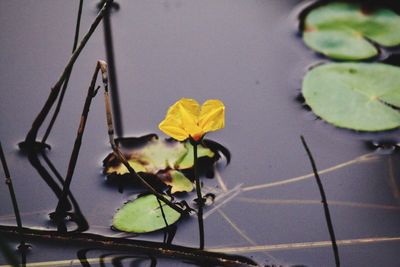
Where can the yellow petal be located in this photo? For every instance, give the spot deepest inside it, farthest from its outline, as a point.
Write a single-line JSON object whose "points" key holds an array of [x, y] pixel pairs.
{"points": [[194, 131], [185, 115], [212, 115], [173, 128], [190, 105], [190, 121]]}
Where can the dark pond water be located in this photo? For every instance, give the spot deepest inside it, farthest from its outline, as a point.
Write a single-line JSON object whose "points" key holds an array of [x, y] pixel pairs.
{"points": [[245, 52]]}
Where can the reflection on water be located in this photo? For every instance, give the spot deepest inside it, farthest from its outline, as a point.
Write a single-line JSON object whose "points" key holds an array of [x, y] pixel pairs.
{"points": [[244, 52]]}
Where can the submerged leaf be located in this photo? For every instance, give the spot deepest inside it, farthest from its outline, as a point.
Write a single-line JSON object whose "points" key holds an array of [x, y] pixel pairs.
{"points": [[120, 169], [144, 215], [359, 96], [178, 182], [341, 30]]}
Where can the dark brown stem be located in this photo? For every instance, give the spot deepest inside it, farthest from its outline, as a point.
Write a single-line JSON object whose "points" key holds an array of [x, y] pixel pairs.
{"points": [[65, 84], [32, 134], [60, 210], [135, 246], [200, 201], [324, 202], [13, 197]]}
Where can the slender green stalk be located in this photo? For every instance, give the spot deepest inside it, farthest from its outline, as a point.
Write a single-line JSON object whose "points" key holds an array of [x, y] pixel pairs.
{"points": [[13, 197], [324, 202], [200, 201]]}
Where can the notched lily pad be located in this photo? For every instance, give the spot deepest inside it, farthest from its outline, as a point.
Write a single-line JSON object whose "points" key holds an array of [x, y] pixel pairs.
{"points": [[342, 30], [162, 160], [144, 215], [358, 96]]}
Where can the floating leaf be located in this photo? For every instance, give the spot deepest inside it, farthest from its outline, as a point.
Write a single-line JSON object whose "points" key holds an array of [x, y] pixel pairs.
{"points": [[154, 156], [187, 160], [157, 159], [120, 169], [341, 30], [144, 215], [178, 182], [359, 96]]}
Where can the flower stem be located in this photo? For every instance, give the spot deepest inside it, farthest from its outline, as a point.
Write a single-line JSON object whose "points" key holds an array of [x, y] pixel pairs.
{"points": [[199, 196]]}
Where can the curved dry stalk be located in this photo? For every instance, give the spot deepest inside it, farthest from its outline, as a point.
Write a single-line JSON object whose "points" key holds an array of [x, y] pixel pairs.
{"points": [[61, 209]]}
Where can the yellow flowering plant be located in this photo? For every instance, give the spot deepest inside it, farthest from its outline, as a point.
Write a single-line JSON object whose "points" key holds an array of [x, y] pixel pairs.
{"points": [[186, 119]]}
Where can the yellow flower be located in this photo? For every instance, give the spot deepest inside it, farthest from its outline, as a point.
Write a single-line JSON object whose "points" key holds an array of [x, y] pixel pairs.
{"points": [[186, 119]]}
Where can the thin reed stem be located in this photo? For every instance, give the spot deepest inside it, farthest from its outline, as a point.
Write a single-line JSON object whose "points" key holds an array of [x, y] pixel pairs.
{"points": [[30, 139], [65, 84], [14, 201], [324, 202], [112, 73], [60, 210]]}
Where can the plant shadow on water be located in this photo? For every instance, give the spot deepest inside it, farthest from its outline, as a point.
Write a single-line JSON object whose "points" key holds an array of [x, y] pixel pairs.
{"points": [[94, 252]]}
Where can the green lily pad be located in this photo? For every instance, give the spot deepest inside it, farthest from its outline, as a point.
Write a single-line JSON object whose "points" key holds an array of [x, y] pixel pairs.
{"points": [[144, 215], [186, 161], [341, 30], [359, 96]]}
